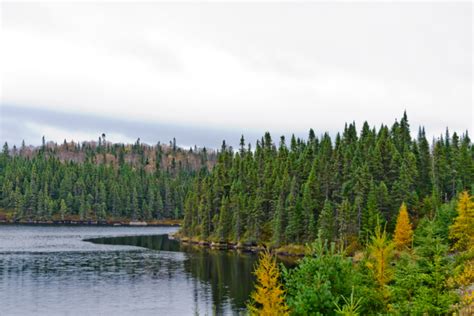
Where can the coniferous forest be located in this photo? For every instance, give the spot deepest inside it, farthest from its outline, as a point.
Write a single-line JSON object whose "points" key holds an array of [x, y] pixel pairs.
{"points": [[385, 222], [98, 181], [289, 192]]}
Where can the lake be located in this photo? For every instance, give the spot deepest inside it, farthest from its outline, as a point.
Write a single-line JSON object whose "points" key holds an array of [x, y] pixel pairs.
{"points": [[53, 270]]}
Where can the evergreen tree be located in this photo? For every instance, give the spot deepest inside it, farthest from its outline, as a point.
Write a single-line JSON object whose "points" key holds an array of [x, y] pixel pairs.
{"points": [[326, 222], [371, 216], [344, 221], [63, 209], [315, 286], [294, 228], [225, 221]]}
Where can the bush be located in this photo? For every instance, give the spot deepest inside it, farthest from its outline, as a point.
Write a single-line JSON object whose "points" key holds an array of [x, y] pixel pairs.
{"points": [[319, 281]]}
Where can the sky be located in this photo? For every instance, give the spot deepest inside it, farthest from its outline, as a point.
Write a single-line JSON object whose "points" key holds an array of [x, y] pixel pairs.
{"points": [[204, 72]]}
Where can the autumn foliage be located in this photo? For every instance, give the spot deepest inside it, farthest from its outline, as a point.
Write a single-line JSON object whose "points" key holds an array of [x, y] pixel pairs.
{"points": [[462, 231], [380, 254], [268, 297], [403, 230]]}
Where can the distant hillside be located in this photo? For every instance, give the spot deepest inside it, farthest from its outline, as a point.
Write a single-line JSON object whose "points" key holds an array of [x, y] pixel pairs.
{"points": [[168, 156], [98, 181]]}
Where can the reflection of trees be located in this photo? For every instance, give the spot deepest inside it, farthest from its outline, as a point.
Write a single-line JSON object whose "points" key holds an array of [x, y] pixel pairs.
{"points": [[107, 264], [228, 273], [220, 281], [155, 242]]}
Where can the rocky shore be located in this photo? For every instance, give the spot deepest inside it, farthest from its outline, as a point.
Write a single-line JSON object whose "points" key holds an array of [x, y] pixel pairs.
{"points": [[288, 250]]}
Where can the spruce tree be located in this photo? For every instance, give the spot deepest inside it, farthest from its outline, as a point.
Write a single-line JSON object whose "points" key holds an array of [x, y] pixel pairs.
{"points": [[371, 217], [326, 222]]}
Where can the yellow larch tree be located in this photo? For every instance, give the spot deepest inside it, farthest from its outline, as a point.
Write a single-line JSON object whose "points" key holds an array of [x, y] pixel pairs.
{"points": [[268, 299], [464, 280], [403, 230], [462, 230], [380, 255]]}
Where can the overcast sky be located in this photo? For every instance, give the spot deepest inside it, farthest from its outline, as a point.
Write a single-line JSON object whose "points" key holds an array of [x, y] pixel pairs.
{"points": [[204, 72]]}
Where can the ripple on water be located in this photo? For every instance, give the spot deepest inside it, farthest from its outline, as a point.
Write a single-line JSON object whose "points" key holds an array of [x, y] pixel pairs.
{"points": [[52, 271]]}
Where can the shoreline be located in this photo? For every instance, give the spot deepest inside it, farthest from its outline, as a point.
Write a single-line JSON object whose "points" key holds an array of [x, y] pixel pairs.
{"points": [[162, 223], [291, 251]]}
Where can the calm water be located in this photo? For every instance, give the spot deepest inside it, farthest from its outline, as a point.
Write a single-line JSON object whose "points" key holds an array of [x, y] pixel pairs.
{"points": [[48, 270]]}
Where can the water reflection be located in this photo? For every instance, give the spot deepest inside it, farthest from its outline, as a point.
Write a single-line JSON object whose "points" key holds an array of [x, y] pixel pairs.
{"points": [[155, 242], [228, 274], [52, 271]]}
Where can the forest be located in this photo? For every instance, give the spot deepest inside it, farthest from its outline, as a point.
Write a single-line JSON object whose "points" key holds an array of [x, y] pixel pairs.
{"points": [[385, 222], [339, 189], [427, 270], [98, 181]]}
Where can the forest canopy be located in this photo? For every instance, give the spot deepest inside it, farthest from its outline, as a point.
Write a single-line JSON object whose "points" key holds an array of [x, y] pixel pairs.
{"points": [[98, 181], [339, 188]]}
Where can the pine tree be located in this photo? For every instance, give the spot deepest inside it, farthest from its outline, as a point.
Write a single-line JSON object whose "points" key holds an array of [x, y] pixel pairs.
{"points": [[423, 160], [295, 221], [281, 216], [371, 216], [158, 211], [70, 202], [308, 209], [225, 221], [237, 203], [101, 202], [135, 211], [149, 204], [433, 295], [345, 221], [403, 230], [383, 202], [326, 222], [63, 209], [7, 194], [279, 223], [268, 299], [82, 207], [462, 231], [19, 204]]}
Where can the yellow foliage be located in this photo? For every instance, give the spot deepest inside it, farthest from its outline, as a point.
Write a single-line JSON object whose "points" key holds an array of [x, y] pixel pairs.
{"points": [[466, 277], [268, 299], [403, 230], [463, 281], [380, 255], [462, 230]]}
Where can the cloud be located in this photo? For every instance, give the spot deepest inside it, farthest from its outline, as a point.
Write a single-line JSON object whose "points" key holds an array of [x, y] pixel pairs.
{"points": [[284, 68], [56, 134], [30, 124]]}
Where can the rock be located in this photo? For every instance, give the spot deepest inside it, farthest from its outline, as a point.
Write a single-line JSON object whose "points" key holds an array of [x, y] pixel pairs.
{"points": [[137, 223]]}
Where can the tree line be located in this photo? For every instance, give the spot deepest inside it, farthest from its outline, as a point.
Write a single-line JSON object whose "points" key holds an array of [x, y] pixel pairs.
{"points": [[338, 188], [98, 180]]}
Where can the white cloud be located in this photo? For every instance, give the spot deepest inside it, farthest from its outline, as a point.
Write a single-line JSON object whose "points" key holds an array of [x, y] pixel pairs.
{"points": [[202, 65], [58, 135]]}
